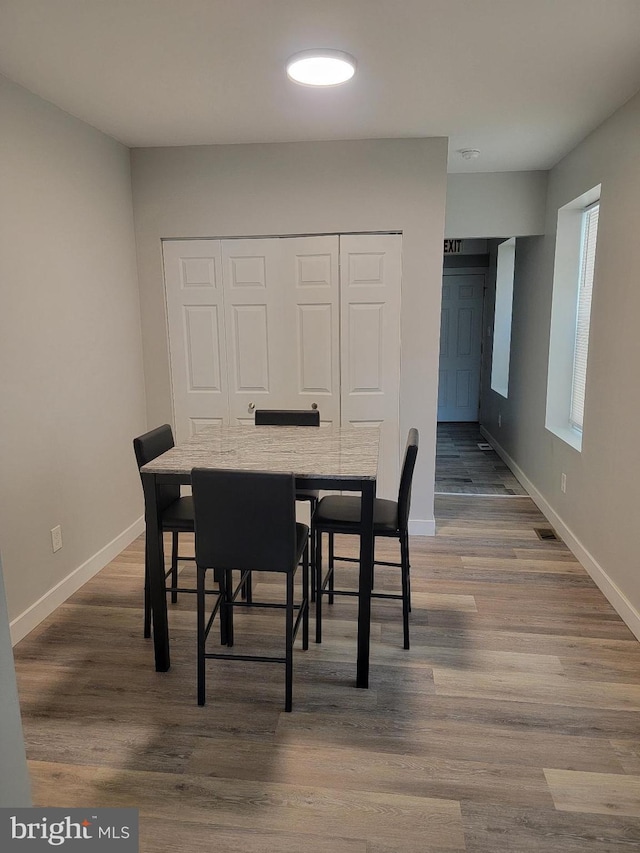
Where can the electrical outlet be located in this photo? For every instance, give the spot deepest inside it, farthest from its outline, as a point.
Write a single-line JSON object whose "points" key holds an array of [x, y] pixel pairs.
{"points": [[499, 420], [56, 538], [563, 483]]}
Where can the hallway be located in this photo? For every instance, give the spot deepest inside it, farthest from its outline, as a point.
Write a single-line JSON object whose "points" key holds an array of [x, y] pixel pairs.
{"points": [[463, 468]]}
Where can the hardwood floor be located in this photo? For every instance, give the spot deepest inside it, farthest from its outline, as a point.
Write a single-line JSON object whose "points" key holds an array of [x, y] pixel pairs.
{"points": [[464, 468], [512, 724]]}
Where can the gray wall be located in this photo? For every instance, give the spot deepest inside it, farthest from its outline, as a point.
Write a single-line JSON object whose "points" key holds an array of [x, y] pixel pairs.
{"points": [[14, 780], [496, 204], [599, 508], [70, 350], [304, 188]]}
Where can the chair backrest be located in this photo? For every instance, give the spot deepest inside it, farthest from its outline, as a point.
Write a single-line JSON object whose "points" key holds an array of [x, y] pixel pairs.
{"points": [[244, 519], [287, 417], [406, 478], [148, 447]]}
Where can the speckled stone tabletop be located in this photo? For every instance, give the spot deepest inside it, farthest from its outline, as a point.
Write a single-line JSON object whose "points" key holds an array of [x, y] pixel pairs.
{"points": [[306, 451]]}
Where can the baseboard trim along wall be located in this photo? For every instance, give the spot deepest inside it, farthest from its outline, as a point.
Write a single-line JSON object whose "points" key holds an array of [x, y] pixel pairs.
{"points": [[422, 527], [608, 587], [39, 610]]}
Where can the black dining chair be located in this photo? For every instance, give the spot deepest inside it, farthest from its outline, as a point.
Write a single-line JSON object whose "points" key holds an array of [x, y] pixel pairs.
{"points": [[292, 417], [302, 418], [341, 514], [246, 520], [176, 514], [287, 417]]}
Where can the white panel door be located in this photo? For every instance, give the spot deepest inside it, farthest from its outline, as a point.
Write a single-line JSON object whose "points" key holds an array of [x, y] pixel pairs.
{"points": [[460, 347], [194, 292], [261, 374], [370, 282], [287, 323], [311, 323]]}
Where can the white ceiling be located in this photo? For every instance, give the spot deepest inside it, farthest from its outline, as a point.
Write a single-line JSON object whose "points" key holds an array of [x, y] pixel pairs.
{"points": [[522, 80]]}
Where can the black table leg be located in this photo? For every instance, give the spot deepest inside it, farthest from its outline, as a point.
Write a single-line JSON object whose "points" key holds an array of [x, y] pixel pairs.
{"points": [[365, 582], [155, 562]]}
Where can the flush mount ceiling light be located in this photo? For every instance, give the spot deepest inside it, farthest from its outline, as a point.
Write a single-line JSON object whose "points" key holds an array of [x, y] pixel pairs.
{"points": [[321, 67]]}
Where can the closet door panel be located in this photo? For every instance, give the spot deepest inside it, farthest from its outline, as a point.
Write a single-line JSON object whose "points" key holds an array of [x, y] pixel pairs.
{"points": [[256, 339], [197, 347], [371, 274], [310, 276]]}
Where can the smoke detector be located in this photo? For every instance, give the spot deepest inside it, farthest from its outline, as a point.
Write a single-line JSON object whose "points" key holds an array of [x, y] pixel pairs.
{"points": [[469, 153]]}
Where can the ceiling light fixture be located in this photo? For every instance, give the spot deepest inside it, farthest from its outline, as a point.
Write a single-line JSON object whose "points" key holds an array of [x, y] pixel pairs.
{"points": [[469, 153], [321, 67]]}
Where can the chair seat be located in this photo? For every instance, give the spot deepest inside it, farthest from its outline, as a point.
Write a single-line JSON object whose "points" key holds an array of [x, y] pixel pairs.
{"points": [[342, 514], [179, 515], [307, 494]]}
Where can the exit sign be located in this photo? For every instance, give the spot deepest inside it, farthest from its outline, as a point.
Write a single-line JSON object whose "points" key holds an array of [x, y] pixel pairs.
{"points": [[452, 247]]}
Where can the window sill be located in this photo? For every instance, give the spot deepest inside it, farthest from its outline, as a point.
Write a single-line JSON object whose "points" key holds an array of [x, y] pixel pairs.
{"points": [[567, 434]]}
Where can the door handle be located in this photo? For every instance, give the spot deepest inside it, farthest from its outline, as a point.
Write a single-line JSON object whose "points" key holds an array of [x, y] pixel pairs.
{"points": [[252, 406], [314, 406]]}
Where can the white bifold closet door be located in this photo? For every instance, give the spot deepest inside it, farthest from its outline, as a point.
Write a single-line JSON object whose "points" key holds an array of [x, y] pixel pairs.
{"points": [[287, 323], [281, 309], [370, 279], [196, 321]]}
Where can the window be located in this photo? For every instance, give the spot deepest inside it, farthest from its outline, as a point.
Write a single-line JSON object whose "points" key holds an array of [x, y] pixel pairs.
{"points": [[585, 288], [573, 277], [502, 317]]}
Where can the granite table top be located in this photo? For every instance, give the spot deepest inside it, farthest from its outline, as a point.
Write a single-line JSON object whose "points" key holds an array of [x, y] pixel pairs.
{"points": [[337, 453]]}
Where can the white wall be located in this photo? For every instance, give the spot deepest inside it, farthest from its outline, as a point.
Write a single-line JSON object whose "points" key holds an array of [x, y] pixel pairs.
{"points": [[70, 350], [598, 513], [304, 188], [496, 204]]}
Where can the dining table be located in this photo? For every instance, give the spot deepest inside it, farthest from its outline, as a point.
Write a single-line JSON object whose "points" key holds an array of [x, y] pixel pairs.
{"points": [[327, 458]]}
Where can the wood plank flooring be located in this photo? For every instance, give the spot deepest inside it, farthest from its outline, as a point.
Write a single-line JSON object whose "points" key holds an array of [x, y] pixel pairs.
{"points": [[463, 468], [512, 724]]}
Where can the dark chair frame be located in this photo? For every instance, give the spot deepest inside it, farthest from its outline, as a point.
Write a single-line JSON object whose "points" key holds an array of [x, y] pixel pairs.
{"points": [[148, 447], [246, 520], [326, 585], [302, 418], [287, 417]]}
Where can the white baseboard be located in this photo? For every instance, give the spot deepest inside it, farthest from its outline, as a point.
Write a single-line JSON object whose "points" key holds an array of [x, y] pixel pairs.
{"points": [[422, 527], [44, 606], [616, 597]]}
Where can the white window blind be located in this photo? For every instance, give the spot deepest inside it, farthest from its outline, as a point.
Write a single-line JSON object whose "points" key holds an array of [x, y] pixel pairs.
{"points": [[583, 315]]}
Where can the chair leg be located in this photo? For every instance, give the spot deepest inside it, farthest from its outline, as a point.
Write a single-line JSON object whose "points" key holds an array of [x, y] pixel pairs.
{"points": [[408, 572], [228, 606], [404, 568], [147, 599], [201, 637], [318, 551], [174, 565], [289, 645], [246, 591], [313, 503], [305, 598], [331, 570]]}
